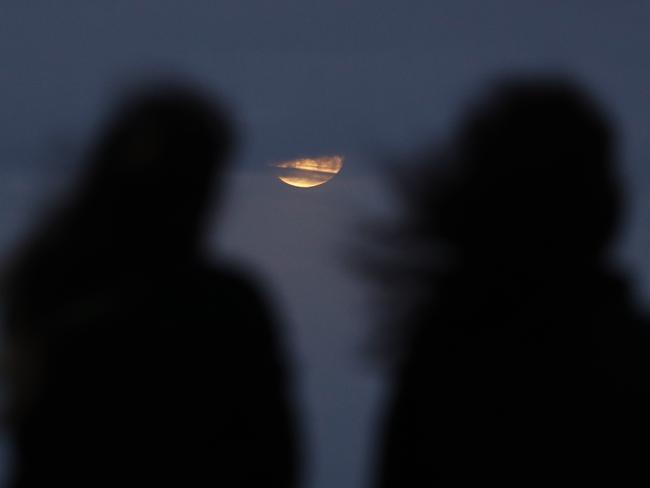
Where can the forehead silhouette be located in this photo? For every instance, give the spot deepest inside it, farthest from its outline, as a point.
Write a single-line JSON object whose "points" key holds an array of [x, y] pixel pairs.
{"points": [[534, 164], [165, 125], [538, 125]]}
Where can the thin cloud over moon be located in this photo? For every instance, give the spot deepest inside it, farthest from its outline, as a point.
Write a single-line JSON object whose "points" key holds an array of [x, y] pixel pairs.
{"points": [[309, 172]]}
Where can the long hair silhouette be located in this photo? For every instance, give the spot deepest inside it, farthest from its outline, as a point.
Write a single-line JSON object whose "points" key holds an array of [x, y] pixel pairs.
{"points": [[524, 360], [142, 198], [134, 360]]}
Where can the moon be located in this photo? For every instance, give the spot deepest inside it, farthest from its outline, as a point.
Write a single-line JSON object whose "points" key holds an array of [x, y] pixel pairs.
{"points": [[309, 172]]}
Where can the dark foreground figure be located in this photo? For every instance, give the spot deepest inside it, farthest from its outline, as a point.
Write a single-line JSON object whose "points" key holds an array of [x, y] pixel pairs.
{"points": [[527, 363], [135, 363]]}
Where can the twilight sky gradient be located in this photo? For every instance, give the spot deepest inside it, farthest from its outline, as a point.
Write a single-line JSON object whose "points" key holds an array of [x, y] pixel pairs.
{"points": [[362, 78]]}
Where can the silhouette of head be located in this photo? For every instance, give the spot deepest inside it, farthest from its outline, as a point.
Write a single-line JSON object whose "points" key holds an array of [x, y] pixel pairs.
{"points": [[141, 203], [524, 192], [530, 179], [153, 169]]}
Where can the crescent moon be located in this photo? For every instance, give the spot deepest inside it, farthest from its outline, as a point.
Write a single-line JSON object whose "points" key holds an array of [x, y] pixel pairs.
{"points": [[309, 172]]}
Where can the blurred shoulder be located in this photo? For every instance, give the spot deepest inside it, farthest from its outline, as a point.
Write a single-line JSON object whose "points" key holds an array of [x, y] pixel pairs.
{"points": [[625, 352], [226, 287], [230, 279]]}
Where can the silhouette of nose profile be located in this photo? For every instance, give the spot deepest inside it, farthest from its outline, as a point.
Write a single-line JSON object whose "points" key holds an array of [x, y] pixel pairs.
{"points": [[135, 361], [525, 362]]}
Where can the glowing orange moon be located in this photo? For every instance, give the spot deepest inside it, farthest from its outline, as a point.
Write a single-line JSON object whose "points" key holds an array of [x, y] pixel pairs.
{"points": [[309, 172]]}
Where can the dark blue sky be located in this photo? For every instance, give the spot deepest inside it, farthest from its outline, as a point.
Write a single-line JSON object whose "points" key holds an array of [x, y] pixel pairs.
{"points": [[361, 78], [306, 75]]}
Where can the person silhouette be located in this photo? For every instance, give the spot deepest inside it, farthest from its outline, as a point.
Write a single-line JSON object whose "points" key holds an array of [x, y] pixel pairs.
{"points": [[135, 361], [525, 361]]}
